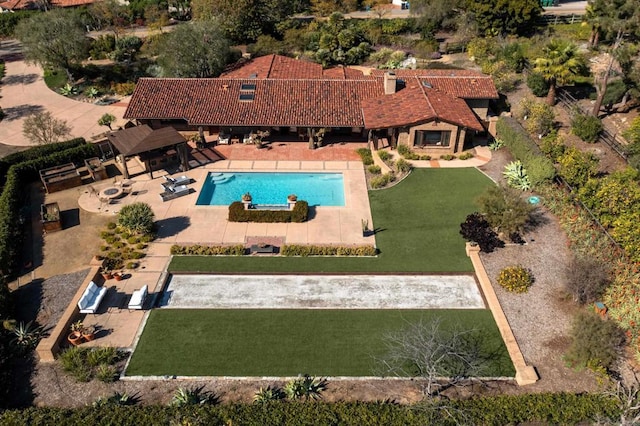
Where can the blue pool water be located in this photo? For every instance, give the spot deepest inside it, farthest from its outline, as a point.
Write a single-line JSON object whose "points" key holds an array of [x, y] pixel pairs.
{"points": [[318, 189]]}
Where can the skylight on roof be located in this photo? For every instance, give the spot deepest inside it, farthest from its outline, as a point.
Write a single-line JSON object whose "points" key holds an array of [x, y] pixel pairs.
{"points": [[427, 84], [247, 96], [248, 87]]}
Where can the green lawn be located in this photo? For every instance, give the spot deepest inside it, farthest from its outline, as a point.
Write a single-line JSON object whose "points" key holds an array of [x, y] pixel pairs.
{"points": [[417, 224], [286, 342]]}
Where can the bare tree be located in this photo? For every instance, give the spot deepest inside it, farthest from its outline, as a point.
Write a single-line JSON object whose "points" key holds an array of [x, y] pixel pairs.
{"points": [[42, 128], [443, 357]]}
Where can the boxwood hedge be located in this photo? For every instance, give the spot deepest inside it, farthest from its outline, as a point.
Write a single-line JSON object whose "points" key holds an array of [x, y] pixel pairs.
{"points": [[237, 213]]}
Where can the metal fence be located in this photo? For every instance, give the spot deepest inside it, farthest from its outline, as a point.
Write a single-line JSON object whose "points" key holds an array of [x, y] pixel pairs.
{"points": [[560, 19], [568, 102]]}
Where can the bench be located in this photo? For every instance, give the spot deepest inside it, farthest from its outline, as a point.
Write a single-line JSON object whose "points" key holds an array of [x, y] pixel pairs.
{"points": [[91, 298], [137, 298]]}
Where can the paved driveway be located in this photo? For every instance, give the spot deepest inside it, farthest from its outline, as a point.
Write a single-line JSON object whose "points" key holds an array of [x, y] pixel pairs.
{"points": [[24, 92]]}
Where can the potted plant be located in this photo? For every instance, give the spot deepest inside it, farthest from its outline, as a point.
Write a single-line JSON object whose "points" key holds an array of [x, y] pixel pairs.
{"points": [[106, 274], [75, 337], [117, 276], [246, 197], [292, 198], [88, 333], [365, 227]]}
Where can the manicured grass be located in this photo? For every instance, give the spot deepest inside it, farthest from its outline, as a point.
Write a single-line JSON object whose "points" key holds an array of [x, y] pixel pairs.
{"points": [[417, 230], [55, 79], [287, 342]]}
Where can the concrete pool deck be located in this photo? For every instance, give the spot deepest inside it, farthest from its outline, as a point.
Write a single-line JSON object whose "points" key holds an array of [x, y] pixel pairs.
{"points": [[323, 292]]}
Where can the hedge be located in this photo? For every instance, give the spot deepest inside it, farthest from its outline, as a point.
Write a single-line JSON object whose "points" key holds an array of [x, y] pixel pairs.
{"points": [[539, 168], [237, 213], [199, 250], [311, 250], [14, 196], [544, 408]]}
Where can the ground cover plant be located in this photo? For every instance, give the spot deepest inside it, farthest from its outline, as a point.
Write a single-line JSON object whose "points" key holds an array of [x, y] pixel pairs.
{"points": [[263, 342], [412, 232]]}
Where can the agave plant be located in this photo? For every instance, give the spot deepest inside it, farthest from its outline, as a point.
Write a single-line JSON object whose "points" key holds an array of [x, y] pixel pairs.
{"points": [[92, 92], [516, 176], [496, 144], [116, 399], [265, 395], [26, 335], [68, 90], [305, 387], [195, 396]]}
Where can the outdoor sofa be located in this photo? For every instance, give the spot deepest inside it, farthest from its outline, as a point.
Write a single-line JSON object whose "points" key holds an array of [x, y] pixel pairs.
{"points": [[91, 298]]}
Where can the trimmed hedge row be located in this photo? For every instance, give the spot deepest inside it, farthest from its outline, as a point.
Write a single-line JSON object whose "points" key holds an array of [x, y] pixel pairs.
{"points": [[508, 409], [199, 250], [303, 250], [237, 213], [539, 168], [37, 152], [13, 197]]}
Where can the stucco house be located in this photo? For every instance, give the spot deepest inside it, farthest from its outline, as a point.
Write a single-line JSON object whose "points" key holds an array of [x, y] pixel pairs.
{"points": [[436, 111]]}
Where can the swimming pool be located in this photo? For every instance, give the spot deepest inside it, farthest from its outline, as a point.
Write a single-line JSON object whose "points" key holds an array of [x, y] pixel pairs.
{"points": [[318, 189]]}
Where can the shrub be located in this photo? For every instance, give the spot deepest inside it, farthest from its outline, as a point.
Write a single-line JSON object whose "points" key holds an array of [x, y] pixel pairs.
{"points": [[103, 355], [236, 250], [586, 127], [594, 342], [106, 373], [476, 229], [305, 387], [137, 217], [465, 156], [124, 89], [515, 279], [237, 213], [447, 157], [402, 165], [384, 155], [365, 156], [382, 181], [374, 170], [194, 396], [425, 157], [587, 278], [111, 225], [538, 84], [403, 150], [576, 166], [496, 144], [314, 250], [553, 145], [505, 210], [539, 117], [268, 394]]}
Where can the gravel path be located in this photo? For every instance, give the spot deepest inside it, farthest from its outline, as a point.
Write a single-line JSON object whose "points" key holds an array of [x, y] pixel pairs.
{"points": [[541, 318]]}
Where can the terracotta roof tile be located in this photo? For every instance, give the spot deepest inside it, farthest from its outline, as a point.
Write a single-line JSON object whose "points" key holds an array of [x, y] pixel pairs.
{"points": [[319, 103], [464, 84], [31, 4]]}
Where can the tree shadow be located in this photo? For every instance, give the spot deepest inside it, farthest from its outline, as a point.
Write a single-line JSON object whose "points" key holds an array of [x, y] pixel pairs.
{"points": [[172, 226], [28, 298], [16, 112], [20, 79]]}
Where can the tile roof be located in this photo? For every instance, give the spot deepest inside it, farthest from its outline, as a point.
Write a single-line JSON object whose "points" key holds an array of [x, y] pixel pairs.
{"points": [[33, 5], [290, 92], [465, 84], [414, 104], [317, 103]]}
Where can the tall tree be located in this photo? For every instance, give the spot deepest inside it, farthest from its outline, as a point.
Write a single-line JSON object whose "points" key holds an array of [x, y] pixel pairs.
{"points": [[435, 14], [54, 39], [243, 20], [560, 64], [502, 17], [111, 15], [207, 53]]}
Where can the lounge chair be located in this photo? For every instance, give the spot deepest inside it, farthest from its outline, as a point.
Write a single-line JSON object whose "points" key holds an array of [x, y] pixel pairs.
{"points": [[138, 297], [182, 180], [171, 192], [223, 139]]}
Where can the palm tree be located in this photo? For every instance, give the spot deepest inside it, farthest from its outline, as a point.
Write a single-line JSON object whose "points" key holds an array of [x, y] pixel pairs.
{"points": [[560, 64]]}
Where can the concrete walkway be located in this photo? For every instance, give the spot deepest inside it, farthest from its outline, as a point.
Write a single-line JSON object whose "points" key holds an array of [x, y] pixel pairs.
{"points": [[24, 92], [323, 292]]}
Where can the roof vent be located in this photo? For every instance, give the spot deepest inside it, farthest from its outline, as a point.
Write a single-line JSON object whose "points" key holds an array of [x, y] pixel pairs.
{"points": [[225, 86], [427, 84], [253, 76]]}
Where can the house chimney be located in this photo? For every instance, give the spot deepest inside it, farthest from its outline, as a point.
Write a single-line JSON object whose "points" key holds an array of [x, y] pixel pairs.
{"points": [[389, 83]]}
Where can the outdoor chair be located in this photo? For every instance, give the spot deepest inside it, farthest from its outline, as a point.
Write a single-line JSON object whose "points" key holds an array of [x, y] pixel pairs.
{"points": [[223, 139], [172, 192], [181, 180], [137, 298]]}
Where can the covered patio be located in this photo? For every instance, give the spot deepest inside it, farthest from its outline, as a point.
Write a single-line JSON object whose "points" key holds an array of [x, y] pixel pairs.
{"points": [[153, 149]]}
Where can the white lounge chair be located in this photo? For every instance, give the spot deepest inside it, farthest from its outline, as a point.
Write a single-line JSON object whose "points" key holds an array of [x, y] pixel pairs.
{"points": [[138, 297], [172, 191], [223, 139], [182, 180], [91, 298]]}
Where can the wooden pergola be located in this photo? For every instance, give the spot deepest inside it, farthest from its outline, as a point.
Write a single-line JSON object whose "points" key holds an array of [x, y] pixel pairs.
{"points": [[154, 147]]}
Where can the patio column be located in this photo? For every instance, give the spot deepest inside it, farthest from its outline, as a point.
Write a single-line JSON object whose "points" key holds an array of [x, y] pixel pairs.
{"points": [[181, 148], [125, 170]]}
